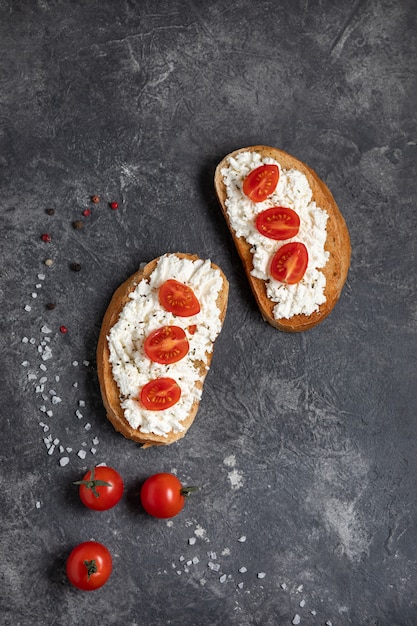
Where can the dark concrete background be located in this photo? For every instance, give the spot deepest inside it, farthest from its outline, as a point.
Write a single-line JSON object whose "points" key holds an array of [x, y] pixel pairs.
{"points": [[304, 444]]}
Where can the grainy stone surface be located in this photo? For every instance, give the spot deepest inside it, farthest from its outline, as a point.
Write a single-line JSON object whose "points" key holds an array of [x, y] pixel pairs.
{"points": [[304, 445]]}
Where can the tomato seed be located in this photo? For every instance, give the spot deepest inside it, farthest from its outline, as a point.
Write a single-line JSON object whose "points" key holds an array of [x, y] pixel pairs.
{"points": [[114, 205], [46, 238], [63, 329], [50, 211], [95, 199], [50, 306], [75, 267], [48, 262], [78, 224]]}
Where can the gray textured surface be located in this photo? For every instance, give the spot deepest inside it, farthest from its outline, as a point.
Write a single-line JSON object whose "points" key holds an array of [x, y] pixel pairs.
{"points": [[304, 444]]}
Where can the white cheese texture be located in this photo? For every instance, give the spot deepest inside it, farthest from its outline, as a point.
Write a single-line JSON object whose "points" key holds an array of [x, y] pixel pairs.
{"points": [[132, 369], [293, 191]]}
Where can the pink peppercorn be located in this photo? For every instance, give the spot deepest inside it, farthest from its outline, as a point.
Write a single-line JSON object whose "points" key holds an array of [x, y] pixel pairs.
{"points": [[87, 212], [46, 238], [114, 205], [63, 329]]}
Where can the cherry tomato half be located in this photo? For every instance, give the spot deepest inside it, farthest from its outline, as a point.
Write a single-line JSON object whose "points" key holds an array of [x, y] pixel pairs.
{"points": [[290, 263], [278, 223], [101, 488], [160, 394], [89, 566], [162, 495], [166, 345], [178, 298], [261, 182]]}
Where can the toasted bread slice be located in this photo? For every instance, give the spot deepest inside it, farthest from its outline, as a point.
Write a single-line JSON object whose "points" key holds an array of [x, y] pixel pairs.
{"points": [[109, 389], [337, 242]]}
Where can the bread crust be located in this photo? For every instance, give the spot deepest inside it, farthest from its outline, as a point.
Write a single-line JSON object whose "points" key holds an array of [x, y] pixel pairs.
{"points": [[108, 386], [337, 243]]}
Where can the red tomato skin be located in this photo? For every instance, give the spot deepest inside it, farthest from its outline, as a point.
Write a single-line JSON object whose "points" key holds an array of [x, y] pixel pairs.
{"points": [[289, 263], [166, 345], [261, 182], [179, 299], [152, 394], [278, 223], [161, 495], [108, 496], [77, 570]]}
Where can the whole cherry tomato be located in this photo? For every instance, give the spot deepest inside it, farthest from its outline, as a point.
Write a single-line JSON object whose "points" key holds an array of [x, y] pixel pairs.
{"points": [[89, 566], [162, 495], [101, 488]]}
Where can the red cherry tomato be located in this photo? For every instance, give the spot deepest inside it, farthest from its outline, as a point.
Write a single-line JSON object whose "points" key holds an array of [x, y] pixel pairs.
{"points": [[290, 263], [160, 394], [101, 488], [89, 566], [178, 298], [278, 223], [166, 345], [261, 182], [162, 495]]}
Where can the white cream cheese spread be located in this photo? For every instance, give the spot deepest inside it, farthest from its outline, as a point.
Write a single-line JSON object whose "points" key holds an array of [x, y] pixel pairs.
{"points": [[293, 191], [132, 369]]}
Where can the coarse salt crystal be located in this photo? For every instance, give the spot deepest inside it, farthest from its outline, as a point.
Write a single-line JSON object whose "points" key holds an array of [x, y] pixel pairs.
{"points": [[242, 539], [38, 285], [243, 570], [43, 367], [302, 603], [25, 340], [240, 585], [95, 441], [28, 308], [296, 620], [93, 450], [78, 414], [56, 400], [49, 413], [86, 363], [195, 560], [41, 276], [81, 454], [34, 294], [32, 376], [81, 403], [213, 566], [192, 541], [25, 363], [87, 426], [63, 461], [223, 578], [261, 575], [75, 363]]}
